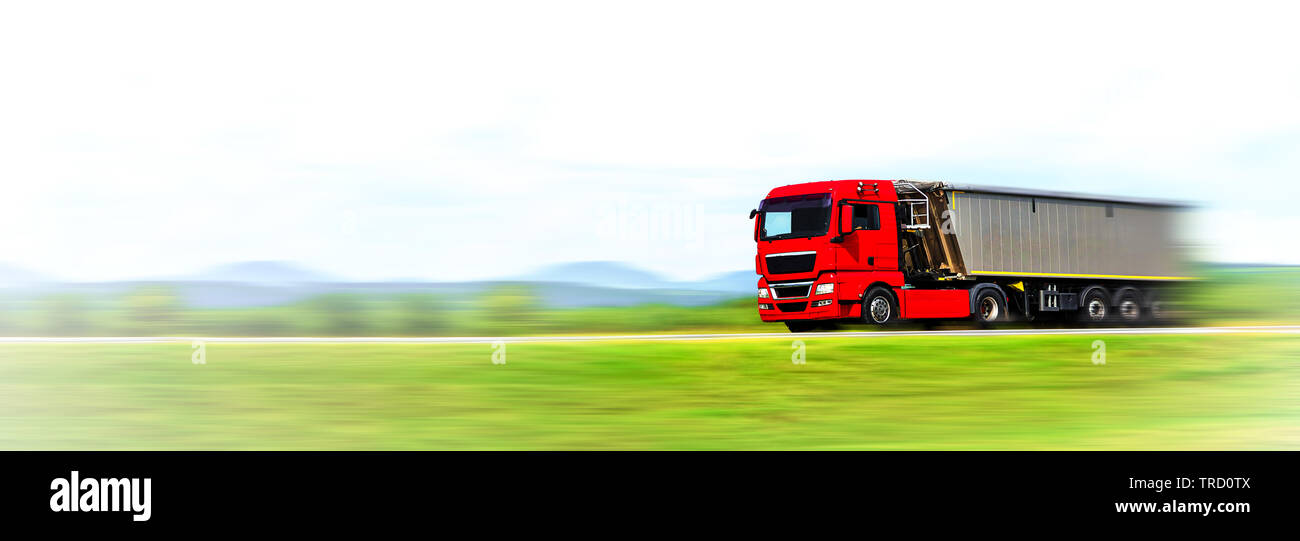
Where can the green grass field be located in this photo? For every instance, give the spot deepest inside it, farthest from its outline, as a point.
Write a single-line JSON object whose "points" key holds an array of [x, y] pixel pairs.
{"points": [[1043, 392]]}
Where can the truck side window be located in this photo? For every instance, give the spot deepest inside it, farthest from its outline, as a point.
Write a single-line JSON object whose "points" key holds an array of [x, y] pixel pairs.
{"points": [[866, 217]]}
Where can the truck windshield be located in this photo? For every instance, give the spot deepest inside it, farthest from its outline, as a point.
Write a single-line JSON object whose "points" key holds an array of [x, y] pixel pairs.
{"points": [[795, 216]]}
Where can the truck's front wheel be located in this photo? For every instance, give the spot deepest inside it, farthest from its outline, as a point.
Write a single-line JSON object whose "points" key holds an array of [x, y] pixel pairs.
{"points": [[990, 307], [879, 306]]}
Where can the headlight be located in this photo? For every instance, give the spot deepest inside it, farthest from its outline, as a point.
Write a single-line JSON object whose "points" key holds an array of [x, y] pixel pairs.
{"points": [[823, 289], [762, 293]]}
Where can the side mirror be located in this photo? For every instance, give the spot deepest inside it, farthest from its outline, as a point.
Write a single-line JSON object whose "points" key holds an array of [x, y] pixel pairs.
{"points": [[846, 220], [753, 213]]}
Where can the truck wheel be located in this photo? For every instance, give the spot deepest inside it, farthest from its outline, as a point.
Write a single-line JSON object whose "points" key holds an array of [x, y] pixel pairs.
{"points": [[879, 306], [1094, 308], [800, 326], [1156, 312], [990, 307], [1130, 312]]}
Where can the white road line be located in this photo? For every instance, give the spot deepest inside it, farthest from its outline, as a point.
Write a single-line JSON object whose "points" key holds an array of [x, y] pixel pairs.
{"points": [[1260, 329]]}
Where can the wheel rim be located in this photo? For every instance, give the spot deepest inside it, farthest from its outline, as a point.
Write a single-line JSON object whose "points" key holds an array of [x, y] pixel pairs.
{"points": [[879, 310], [1128, 309], [1096, 309], [989, 310]]}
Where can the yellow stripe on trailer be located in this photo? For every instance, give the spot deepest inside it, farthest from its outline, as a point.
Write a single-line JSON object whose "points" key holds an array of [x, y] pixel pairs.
{"points": [[1055, 275]]}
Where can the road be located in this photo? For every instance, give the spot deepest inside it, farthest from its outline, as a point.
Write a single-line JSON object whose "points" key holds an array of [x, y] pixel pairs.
{"points": [[1258, 329]]}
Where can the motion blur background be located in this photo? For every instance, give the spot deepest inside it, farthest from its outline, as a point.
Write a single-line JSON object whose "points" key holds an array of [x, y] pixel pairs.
{"points": [[224, 158], [524, 168]]}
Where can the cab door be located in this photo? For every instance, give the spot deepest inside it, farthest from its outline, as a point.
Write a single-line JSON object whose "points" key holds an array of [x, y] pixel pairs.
{"points": [[870, 236]]}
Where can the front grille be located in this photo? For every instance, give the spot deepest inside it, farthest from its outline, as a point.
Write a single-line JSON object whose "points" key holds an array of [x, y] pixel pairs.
{"points": [[790, 264], [791, 291], [791, 306]]}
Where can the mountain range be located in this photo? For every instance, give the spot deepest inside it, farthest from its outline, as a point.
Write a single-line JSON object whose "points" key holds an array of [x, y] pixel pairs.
{"points": [[11, 275], [260, 272], [268, 283], [617, 275]]}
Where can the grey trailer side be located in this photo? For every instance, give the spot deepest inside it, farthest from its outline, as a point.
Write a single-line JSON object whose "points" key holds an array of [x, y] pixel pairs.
{"points": [[1041, 253], [1043, 236]]}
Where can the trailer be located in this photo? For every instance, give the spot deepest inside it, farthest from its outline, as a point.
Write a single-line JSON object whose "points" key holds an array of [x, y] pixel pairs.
{"points": [[884, 251]]}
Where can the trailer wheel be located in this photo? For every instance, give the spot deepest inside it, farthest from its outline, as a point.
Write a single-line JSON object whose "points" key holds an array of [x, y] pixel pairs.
{"points": [[1129, 310], [879, 306], [800, 326], [1094, 308], [990, 307], [1156, 312]]}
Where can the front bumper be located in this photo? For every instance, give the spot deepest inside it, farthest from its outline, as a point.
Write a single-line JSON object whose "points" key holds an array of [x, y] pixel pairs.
{"points": [[810, 307]]}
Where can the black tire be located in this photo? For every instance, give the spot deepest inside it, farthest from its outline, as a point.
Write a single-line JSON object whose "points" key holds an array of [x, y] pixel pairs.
{"points": [[879, 307], [1094, 308], [1158, 312], [800, 326], [1129, 309], [1155, 310], [990, 307]]}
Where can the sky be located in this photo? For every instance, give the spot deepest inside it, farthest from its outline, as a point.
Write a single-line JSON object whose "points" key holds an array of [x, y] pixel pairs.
{"points": [[468, 140]]}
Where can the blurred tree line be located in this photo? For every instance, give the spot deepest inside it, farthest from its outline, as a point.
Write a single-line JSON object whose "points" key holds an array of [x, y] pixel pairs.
{"points": [[1231, 296], [503, 310], [1250, 295]]}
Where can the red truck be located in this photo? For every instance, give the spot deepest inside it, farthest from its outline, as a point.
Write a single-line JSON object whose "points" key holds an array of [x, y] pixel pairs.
{"points": [[882, 251]]}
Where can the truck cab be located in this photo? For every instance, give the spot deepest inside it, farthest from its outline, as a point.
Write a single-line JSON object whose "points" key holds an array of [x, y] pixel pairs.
{"points": [[821, 245]]}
